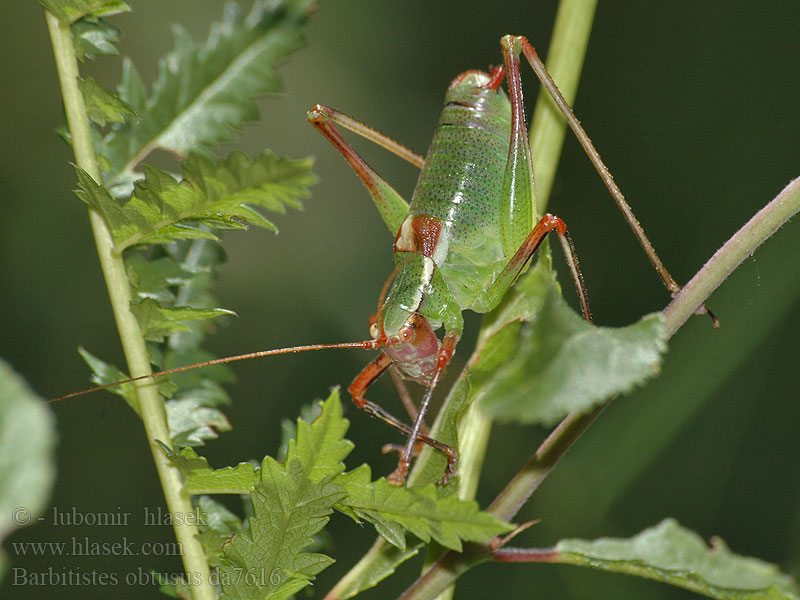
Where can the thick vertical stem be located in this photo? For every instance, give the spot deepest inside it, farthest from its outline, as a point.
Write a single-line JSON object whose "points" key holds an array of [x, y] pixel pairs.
{"points": [[564, 63], [150, 403]]}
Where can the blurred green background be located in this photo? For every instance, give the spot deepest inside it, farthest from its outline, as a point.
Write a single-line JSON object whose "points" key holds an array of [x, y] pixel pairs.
{"points": [[693, 105]]}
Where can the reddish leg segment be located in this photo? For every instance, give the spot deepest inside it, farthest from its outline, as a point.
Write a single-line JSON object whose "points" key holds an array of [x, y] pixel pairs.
{"points": [[391, 206], [398, 476], [357, 390]]}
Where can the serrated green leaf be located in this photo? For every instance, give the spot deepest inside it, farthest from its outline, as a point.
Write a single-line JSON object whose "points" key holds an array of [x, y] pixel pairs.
{"points": [[104, 373], [192, 421], [308, 413], [678, 556], [157, 321], [155, 278], [97, 196], [321, 445], [422, 511], [72, 10], [563, 364], [289, 509], [203, 93], [200, 478], [94, 37], [217, 526], [217, 196], [102, 106], [27, 441]]}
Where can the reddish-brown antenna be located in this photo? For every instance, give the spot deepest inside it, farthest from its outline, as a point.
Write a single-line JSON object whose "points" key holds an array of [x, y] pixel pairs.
{"points": [[367, 344]]}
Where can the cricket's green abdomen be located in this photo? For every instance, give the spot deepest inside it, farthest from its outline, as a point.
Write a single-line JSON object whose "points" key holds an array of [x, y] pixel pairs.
{"points": [[460, 185]]}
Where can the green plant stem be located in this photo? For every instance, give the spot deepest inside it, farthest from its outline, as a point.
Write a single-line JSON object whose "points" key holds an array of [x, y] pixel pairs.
{"points": [[743, 243], [113, 267], [564, 62]]}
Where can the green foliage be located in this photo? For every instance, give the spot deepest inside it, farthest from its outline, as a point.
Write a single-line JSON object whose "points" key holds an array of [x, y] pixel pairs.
{"points": [[27, 441], [537, 361], [675, 555], [102, 106], [95, 37], [424, 512], [203, 93], [561, 364], [210, 196], [292, 502]]}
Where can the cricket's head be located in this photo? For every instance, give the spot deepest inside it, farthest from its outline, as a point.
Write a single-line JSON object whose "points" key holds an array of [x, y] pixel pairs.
{"points": [[408, 338], [399, 328]]}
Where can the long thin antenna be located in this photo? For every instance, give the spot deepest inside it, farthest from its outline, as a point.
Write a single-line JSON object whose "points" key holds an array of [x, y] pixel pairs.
{"points": [[368, 344]]}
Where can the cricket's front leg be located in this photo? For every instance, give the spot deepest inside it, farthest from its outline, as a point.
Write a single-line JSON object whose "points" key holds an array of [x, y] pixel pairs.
{"points": [[357, 390], [398, 476]]}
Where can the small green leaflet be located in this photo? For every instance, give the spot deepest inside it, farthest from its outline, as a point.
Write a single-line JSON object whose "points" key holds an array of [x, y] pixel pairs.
{"points": [[422, 511], [157, 322], [156, 278], [562, 364], [678, 556], [219, 196], [203, 93], [200, 478], [103, 106], [95, 37], [72, 10], [192, 415], [104, 373]]}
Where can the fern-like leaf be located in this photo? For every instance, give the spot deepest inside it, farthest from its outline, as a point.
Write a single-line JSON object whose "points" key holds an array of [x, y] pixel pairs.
{"points": [[291, 503], [217, 196], [422, 511], [203, 93]]}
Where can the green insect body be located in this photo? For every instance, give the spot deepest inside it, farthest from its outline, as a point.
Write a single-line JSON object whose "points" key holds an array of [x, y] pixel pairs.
{"points": [[460, 244], [448, 249]]}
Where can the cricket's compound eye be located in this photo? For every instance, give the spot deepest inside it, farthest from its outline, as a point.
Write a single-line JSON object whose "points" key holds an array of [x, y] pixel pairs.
{"points": [[407, 333], [374, 331]]}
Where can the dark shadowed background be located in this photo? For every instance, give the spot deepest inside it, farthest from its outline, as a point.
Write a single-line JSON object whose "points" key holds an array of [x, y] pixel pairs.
{"points": [[694, 108]]}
